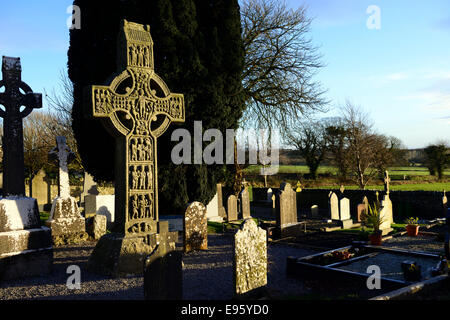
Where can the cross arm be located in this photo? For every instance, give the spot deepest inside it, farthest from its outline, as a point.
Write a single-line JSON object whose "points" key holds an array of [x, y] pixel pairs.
{"points": [[31, 101], [172, 106]]}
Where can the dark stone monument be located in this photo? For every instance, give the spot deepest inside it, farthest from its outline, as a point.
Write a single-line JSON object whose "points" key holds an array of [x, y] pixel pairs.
{"points": [[163, 272], [25, 246], [12, 100], [137, 118]]}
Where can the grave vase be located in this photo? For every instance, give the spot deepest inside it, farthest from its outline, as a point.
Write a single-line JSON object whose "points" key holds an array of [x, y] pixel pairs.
{"points": [[376, 238], [413, 230]]}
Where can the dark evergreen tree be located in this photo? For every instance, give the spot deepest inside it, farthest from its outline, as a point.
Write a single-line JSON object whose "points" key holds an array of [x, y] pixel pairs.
{"points": [[198, 52]]}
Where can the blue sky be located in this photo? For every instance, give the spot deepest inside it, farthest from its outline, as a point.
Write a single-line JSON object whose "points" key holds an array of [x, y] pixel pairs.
{"points": [[399, 74]]}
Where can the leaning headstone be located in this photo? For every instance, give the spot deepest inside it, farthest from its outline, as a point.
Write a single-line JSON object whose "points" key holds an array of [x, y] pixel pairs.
{"points": [[315, 212], [232, 208], [66, 222], [333, 206], [244, 203], [163, 272], [12, 100], [250, 260], [195, 228], [287, 224], [136, 226]]}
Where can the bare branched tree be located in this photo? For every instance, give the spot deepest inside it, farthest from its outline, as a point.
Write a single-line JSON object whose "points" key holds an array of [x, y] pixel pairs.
{"points": [[280, 62], [60, 105], [309, 139]]}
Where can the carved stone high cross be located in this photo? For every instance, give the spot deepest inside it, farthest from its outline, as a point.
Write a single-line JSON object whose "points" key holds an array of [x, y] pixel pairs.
{"points": [[17, 94], [64, 156], [136, 107]]}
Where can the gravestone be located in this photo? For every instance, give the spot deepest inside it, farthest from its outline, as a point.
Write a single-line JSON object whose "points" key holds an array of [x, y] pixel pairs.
{"points": [[25, 246], [222, 211], [315, 212], [96, 226], [232, 208], [344, 213], [136, 225], [269, 195], [12, 100], [163, 271], [333, 206], [361, 211], [195, 228], [212, 210], [100, 205], [287, 224], [445, 203], [90, 188], [66, 222], [386, 212], [40, 189], [250, 260], [244, 203]]}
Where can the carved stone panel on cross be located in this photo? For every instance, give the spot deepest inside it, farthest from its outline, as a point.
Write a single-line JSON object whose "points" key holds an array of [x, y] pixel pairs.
{"points": [[136, 107]]}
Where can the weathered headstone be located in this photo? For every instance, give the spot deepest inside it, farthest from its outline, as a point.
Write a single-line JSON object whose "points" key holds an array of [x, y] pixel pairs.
{"points": [[96, 226], [163, 271], [250, 260], [40, 189], [136, 225], [361, 211], [195, 228], [287, 224], [90, 188], [315, 212], [333, 206], [13, 99], [25, 247], [66, 222], [232, 208], [244, 203], [221, 208]]}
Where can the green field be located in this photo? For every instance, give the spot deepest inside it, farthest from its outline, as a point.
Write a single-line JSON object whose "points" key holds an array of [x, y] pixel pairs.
{"points": [[402, 178], [400, 171]]}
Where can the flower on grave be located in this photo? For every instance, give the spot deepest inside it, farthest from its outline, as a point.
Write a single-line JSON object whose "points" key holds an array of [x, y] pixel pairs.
{"points": [[412, 221]]}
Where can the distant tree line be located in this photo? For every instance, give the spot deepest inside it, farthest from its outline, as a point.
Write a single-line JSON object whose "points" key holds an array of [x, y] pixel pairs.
{"points": [[348, 142]]}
